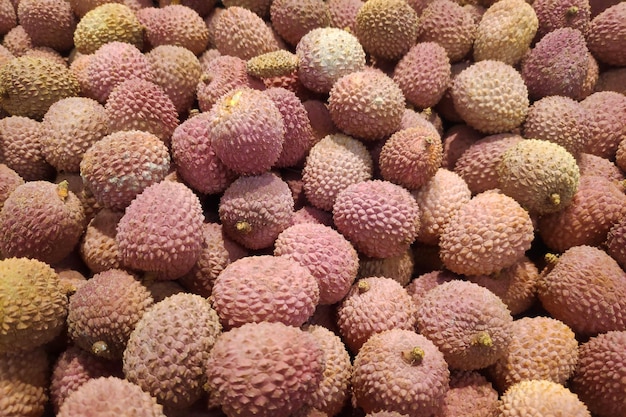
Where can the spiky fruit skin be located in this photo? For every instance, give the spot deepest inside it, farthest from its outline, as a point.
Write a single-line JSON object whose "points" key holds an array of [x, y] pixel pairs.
{"points": [[17, 41], [41, 220], [177, 71], [585, 289], [272, 288], [138, 104], [505, 32], [48, 23], [456, 140], [109, 396], [255, 209], [540, 348], [23, 383], [98, 248], [616, 242], [104, 311], [385, 378], [560, 120], [70, 126], [241, 33], [9, 181], [264, 369], [8, 17], [247, 131], [72, 369], [489, 220], [380, 218], [606, 35], [159, 230], [107, 23], [366, 104], [557, 65], [411, 157], [294, 19], [329, 257], [599, 379], [386, 28], [556, 14], [607, 124], [439, 198], [34, 305], [123, 164], [593, 165], [30, 85], [112, 64], [470, 395], [548, 171], [596, 206], [334, 163], [373, 305], [468, 323], [168, 348], [174, 24], [476, 90], [536, 398], [327, 54], [259, 7], [399, 268]]}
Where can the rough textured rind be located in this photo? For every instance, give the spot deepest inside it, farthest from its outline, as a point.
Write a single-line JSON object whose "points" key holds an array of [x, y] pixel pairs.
{"points": [[399, 268], [8, 17], [373, 305], [33, 304], [612, 80], [596, 165], [255, 209], [159, 230], [607, 34], [273, 64], [108, 397], [264, 369], [48, 22], [489, 233], [380, 218], [265, 288], [608, 125], [104, 311], [294, 19], [470, 395], [616, 242], [386, 376], [21, 148], [468, 323], [556, 14], [537, 398], [386, 28], [456, 140], [599, 379], [505, 32], [327, 54], [167, 350], [17, 41], [24, 383], [260, 7], [123, 164], [586, 290], [334, 163], [328, 256], [41, 220], [9, 181], [490, 96], [174, 24], [98, 248]]}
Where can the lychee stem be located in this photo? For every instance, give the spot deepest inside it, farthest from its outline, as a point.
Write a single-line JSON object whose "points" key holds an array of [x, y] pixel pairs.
{"points": [[551, 258], [243, 227], [572, 11], [482, 338], [413, 356], [63, 189], [363, 286], [99, 347], [555, 199]]}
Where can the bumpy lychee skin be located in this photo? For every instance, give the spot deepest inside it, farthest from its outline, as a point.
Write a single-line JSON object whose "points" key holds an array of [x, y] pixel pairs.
{"points": [[255, 209], [540, 398], [265, 288], [470, 395], [159, 230], [259, 7], [467, 322], [9, 181], [247, 131], [616, 242], [41, 220], [556, 14], [399, 268], [373, 305], [548, 170], [104, 311], [585, 289], [593, 165], [24, 383], [17, 41], [264, 369], [367, 104], [489, 220], [380, 218], [477, 89], [330, 258], [607, 124], [174, 24], [8, 17], [168, 348], [607, 34], [327, 54], [48, 23], [402, 371], [98, 248], [110, 396], [411, 157], [505, 32], [22, 148], [386, 28], [33, 304], [294, 19], [599, 380], [122, 165], [30, 84]]}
